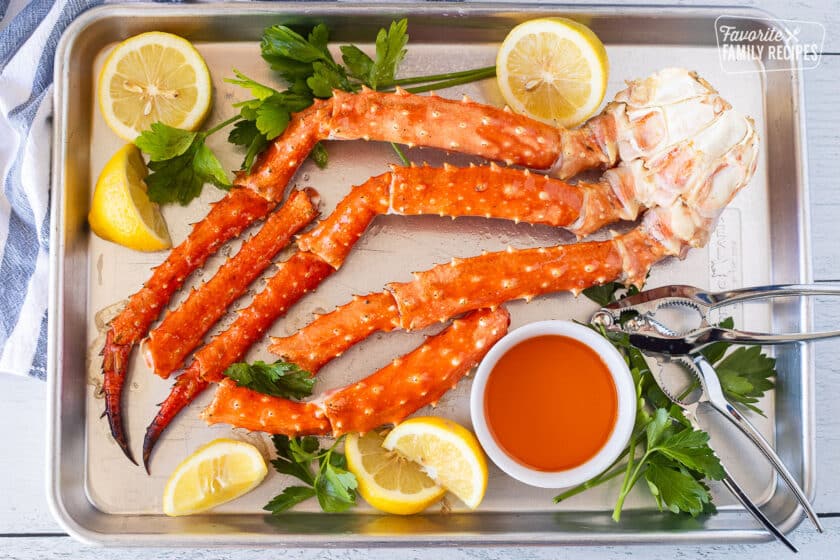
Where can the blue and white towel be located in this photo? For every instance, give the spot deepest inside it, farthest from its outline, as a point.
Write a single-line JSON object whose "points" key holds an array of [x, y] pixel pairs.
{"points": [[29, 33]]}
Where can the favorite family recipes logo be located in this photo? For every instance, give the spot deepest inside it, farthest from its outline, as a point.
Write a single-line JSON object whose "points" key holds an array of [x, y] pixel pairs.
{"points": [[749, 44]]}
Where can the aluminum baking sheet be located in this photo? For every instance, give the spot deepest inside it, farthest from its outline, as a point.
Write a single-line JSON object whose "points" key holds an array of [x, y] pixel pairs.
{"points": [[762, 237]]}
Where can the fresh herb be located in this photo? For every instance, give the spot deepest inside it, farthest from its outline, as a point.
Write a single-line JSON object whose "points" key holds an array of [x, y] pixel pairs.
{"points": [[180, 161], [605, 294], [329, 481], [672, 457], [306, 64], [265, 117], [745, 375], [280, 379]]}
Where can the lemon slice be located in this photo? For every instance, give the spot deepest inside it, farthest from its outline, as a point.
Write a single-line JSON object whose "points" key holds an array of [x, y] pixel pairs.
{"points": [[121, 210], [449, 453], [388, 481], [553, 70], [216, 473], [152, 77]]}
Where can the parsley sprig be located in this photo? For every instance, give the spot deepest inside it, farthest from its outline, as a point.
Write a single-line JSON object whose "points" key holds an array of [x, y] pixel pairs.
{"points": [[180, 161], [324, 471], [664, 450], [280, 379]]}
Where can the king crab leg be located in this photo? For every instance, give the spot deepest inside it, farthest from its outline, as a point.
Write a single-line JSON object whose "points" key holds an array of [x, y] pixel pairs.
{"points": [[183, 329], [408, 383], [227, 219]]}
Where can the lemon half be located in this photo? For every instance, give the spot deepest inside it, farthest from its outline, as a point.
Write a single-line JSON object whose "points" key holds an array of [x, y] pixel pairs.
{"points": [[449, 453], [388, 481], [553, 70], [121, 210], [216, 473], [153, 77]]}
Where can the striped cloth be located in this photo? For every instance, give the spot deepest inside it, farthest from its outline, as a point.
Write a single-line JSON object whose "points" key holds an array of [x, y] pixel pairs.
{"points": [[29, 33]]}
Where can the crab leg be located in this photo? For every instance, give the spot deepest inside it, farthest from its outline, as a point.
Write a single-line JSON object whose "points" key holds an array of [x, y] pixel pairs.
{"points": [[312, 348], [183, 329], [227, 219], [645, 118], [462, 285], [387, 396], [293, 279]]}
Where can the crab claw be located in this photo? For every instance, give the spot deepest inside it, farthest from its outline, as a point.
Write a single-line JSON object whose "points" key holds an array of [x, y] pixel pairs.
{"points": [[114, 366], [187, 386]]}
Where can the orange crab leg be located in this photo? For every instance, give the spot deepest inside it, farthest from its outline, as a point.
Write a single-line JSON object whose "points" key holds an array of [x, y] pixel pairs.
{"points": [[293, 279], [244, 408], [488, 191], [462, 285], [183, 329], [312, 348], [227, 219], [418, 378], [493, 278], [637, 125], [407, 384], [435, 122]]}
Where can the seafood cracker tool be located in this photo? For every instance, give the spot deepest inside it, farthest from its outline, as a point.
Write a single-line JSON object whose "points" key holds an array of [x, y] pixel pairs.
{"points": [[636, 316]]}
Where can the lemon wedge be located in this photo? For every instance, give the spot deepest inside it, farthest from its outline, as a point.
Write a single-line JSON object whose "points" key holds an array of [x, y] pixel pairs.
{"points": [[553, 70], [448, 452], [388, 481], [153, 77], [216, 473], [121, 210]]}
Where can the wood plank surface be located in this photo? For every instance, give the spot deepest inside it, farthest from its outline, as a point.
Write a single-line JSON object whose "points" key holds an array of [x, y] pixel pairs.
{"points": [[28, 531], [811, 546]]}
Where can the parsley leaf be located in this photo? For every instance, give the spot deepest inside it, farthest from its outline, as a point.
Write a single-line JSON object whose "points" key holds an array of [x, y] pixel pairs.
{"points": [[289, 498], [390, 51], [272, 118], [608, 293], [336, 486], [245, 133], [326, 78], [265, 117], [258, 90], [358, 63], [745, 375], [280, 379], [181, 163], [163, 142], [675, 488], [331, 483], [280, 43], [691, 449], [285, 463], [656, 428]]}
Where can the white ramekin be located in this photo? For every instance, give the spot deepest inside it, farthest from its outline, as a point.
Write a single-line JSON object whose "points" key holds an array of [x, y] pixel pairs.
{"points": [[625, 418]]}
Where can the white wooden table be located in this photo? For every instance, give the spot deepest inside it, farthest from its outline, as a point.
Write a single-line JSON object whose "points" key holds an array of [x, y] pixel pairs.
{"points": [[28, 531]]}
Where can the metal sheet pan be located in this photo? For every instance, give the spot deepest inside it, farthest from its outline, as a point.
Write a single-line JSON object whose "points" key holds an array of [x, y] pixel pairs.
{"points": [[763, 237]]}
